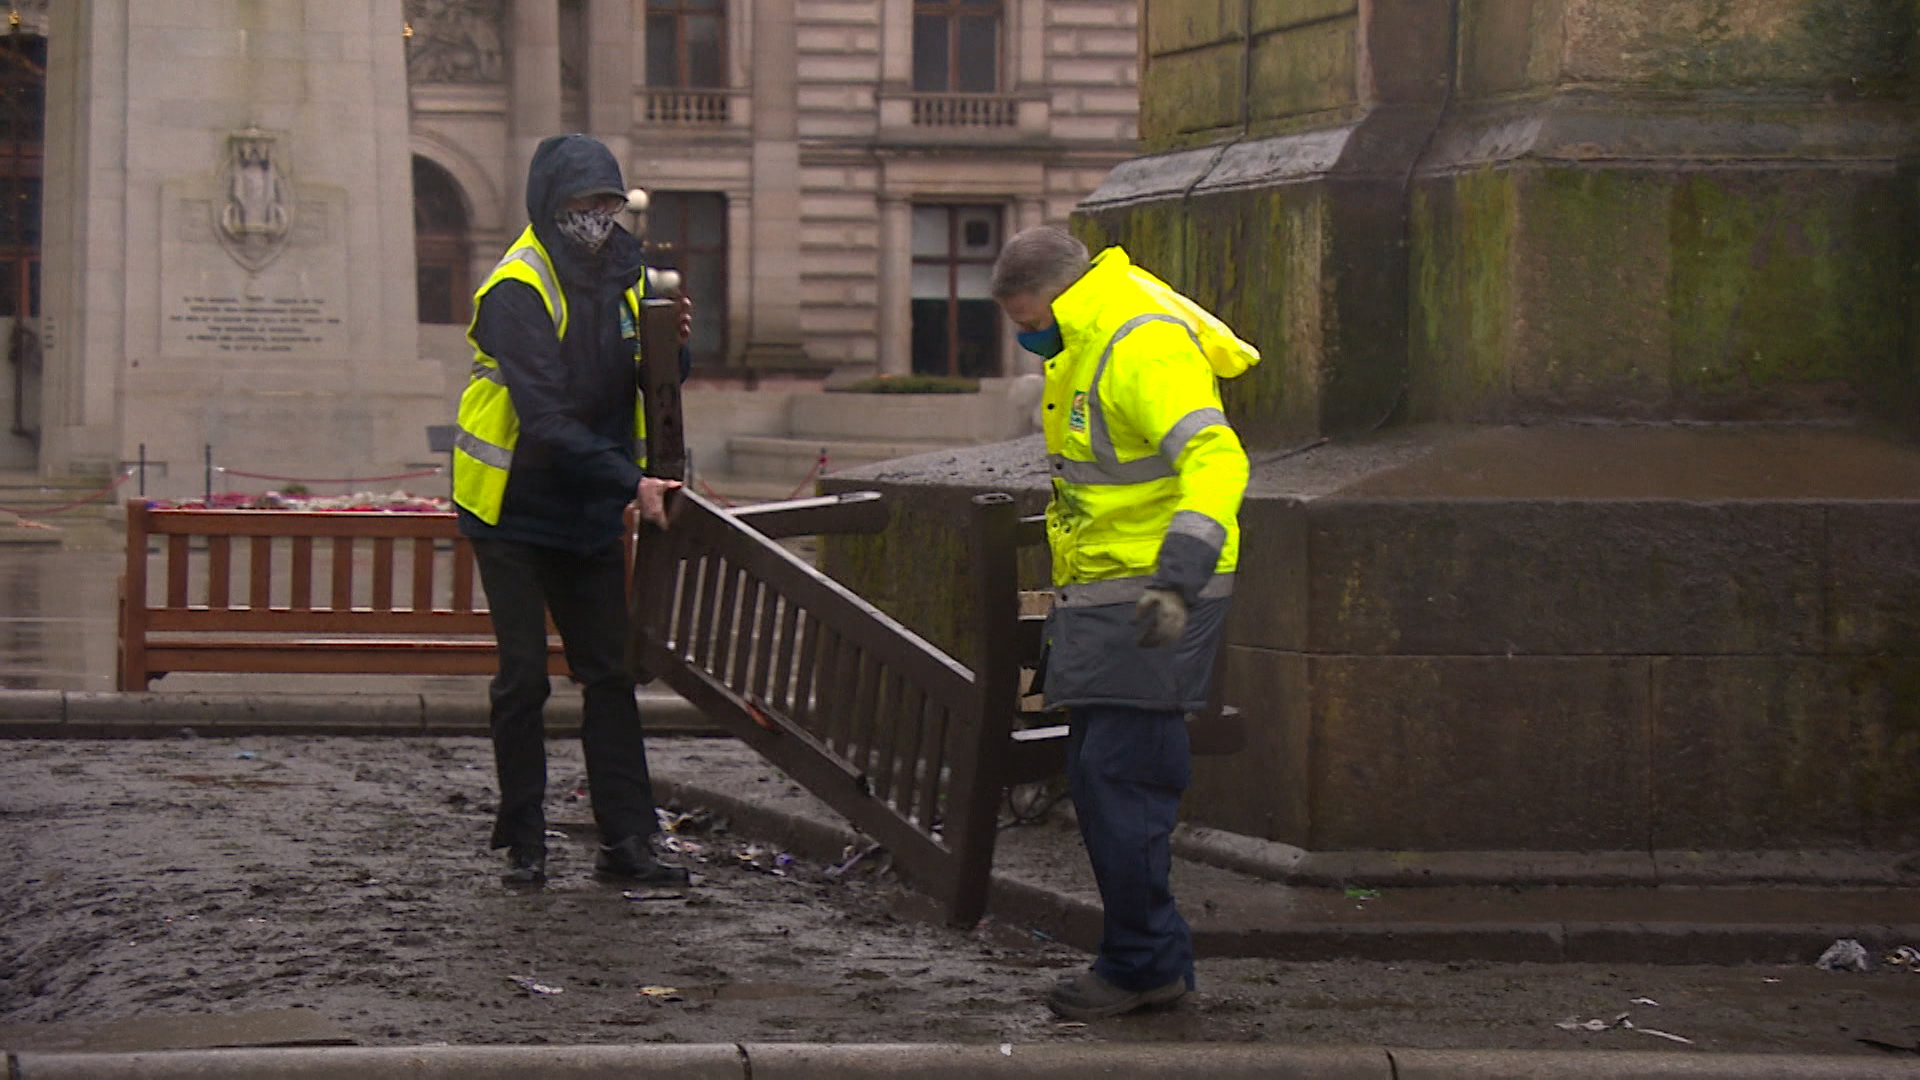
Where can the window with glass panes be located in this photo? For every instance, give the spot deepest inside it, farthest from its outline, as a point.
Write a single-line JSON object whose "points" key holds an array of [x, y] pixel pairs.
{"points": [[23, 108], [687, 231], [686, 44], [956, 46], [956, 324], [441, 251]]}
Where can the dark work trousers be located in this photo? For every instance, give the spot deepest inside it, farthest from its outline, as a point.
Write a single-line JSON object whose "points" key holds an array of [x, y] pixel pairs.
{"points": [[587, 596], [1126, 769]]}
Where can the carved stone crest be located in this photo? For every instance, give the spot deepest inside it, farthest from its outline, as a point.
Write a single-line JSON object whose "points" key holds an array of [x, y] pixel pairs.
{"points": [[254, 215], [456, 41]]}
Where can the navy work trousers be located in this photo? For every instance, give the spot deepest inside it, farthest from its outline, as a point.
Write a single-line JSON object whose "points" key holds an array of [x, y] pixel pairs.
{"points": [[587, 596], [1126, 769]]}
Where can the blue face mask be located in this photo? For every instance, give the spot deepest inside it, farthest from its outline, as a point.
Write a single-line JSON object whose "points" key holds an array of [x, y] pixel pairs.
{"points": [[1046, 342]]}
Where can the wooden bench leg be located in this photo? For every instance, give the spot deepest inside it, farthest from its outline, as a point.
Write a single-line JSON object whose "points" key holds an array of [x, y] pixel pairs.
{"points": [[133, 643]]}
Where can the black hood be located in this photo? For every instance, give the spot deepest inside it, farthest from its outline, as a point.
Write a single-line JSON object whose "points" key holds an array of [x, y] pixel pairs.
{"points": [[563, 167]]}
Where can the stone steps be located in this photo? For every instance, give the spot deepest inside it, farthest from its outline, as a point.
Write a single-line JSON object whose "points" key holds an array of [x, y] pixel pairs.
{"points": [[30, 492]]}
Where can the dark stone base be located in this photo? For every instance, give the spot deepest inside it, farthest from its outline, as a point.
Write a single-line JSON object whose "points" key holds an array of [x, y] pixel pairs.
{"points": [[1576, 638]]}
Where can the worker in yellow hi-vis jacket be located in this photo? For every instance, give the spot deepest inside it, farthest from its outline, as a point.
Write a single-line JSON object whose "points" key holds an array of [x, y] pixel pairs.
{"points": [[1144, 531], [549, 452]]}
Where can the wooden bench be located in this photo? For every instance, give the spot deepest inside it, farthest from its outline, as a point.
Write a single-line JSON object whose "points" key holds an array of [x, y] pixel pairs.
{"points": [[295, 592]]}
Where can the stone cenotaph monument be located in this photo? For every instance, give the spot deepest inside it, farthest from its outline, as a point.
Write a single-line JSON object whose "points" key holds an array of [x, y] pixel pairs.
{"points": [[229, 242]]}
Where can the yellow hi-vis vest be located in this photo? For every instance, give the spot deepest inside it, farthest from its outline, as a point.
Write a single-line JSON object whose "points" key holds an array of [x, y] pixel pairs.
{"points": [[1137, 442], [488, 428]]}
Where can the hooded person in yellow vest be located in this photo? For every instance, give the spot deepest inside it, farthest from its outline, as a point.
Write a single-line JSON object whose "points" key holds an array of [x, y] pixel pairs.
{"points": [[548, 453], [1144, 531]]}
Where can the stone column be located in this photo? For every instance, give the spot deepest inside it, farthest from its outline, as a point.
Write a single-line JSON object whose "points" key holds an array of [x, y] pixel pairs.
{"points": [[534, 53], [83, 268], [1029, 67], [896, 272], [610, 76], [773, 335], [896, 43]]}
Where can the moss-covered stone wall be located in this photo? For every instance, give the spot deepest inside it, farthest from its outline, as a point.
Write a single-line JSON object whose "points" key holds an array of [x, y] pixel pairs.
{"points": [[1213, 67], [1258, 257], [1637, 208]]}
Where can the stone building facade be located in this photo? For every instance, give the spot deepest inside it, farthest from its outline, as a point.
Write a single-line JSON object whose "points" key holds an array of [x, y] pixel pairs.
{"points": [[240, 193], [833, 177]]}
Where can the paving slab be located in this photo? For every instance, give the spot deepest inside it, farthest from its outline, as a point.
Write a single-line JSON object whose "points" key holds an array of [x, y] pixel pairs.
{"points": [[1607, 1065], [775, 1061], [188, 1031], [394, 1062]]}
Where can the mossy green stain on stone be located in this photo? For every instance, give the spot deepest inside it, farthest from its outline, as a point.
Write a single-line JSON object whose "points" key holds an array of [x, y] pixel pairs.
{"points": [[1307, 69], [1462, 235], [1192, 91], [1177, 25], [1255, 259], [1154, 235], [1592, 238], [917, 572], [1279, 14], [1858, 48], [1253, 254], [1775, 284]]}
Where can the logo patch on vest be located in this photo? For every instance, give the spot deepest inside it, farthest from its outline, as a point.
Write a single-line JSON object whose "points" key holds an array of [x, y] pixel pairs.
{"points": [[1077, 412]]}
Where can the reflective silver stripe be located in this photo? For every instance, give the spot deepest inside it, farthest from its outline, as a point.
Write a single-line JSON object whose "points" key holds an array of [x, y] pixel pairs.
{"points": [[548, 287], [1183, 431], [1094, 472], [489, 372], [1097, 433], [480, 450], [1127, 590], [1199, 526]]}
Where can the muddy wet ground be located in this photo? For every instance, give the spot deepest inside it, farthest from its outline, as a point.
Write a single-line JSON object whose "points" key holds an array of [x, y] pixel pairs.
{"points": [[142, 879]]}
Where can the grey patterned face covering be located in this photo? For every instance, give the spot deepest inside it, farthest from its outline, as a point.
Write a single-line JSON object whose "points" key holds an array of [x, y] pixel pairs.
{"points": [[588, 228]]}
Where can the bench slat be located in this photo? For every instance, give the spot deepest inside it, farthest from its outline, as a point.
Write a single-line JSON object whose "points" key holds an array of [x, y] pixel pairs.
{"points": [[176, 572], [422, 574], [284, 620], [260, 572], [219, 570], [342, 573], [303, 658], [302, 574], [298, 523], [462, 576], [382, 573], [343, 643]]}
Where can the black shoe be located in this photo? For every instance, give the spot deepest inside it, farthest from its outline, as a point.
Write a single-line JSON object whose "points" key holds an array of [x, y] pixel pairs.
{"points": [[526, 866], [632, 860], [1089, 997]]}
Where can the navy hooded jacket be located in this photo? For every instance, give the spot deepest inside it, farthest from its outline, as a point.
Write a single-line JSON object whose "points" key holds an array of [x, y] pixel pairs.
{"points": [[573, 467]]}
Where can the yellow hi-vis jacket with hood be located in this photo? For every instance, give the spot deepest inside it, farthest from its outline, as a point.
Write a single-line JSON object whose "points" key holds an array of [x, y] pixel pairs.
{"points": [[551, 428], [1147, 482], [488, 427]]}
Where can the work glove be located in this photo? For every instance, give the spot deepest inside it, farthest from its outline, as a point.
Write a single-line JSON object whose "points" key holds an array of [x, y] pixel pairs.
{"points": [[1161, 616]]}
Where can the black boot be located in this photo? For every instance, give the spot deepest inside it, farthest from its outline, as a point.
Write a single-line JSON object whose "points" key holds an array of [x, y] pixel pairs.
{"points": [[632, 860], [526, 866]]}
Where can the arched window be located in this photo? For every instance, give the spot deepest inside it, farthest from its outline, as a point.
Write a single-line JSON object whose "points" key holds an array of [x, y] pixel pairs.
{"points": [[23, 112], [441, 252]]}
